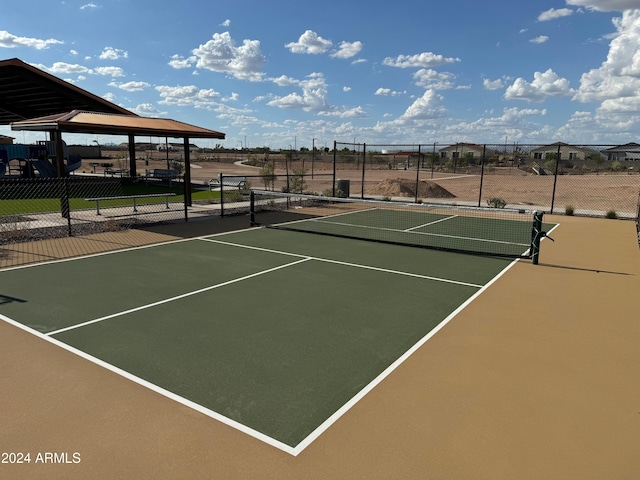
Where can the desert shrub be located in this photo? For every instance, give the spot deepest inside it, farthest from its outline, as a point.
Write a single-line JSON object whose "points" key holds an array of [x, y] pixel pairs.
{"points": [[616, 166], [611, 214], [569, 210], [496, 202], [329, 193]]}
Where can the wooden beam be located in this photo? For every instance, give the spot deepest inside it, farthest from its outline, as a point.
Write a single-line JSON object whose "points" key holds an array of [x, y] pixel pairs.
{"points": [[132, 155]]}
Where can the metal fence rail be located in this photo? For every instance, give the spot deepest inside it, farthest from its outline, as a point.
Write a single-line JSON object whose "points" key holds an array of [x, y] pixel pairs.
{"points": [[47, 208]]}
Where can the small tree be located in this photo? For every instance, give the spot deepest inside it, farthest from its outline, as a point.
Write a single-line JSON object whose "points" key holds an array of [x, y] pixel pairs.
{"points": [[267, 172], [297, 183]]}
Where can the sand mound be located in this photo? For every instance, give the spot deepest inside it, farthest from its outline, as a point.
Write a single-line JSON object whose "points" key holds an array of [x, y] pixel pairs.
{"points": [[402, 187]]}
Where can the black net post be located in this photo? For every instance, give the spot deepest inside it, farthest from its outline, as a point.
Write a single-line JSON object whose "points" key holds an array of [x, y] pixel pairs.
{"points": [[536, 237]]}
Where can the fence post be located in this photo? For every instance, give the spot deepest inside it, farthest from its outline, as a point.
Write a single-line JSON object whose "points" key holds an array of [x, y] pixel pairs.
{"points": [[418, 174], [555, 178], [482, 160], [334, 168], [364, 156], [221, 195]]}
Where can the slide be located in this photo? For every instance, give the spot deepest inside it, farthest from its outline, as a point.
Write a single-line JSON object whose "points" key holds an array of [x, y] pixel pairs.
{"points": [[45, 168], [73, 163]]}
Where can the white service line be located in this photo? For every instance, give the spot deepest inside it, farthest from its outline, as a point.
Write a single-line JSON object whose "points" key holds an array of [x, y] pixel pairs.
{"points": [[178, 297], [430, 223]]}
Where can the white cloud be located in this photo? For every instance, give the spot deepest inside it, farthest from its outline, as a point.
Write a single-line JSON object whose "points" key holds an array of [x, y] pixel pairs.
{"points": [[109, 71], [89, 5], [545, 84], [189, 95], [178, 62], [425, 59], [387, 92], [312, 97], [284, 81], [606, 5], [110, 53], [63, 68], [357, 112], [147, 110], [539, 39], [493, 84], [348, 50], [431, 79], [428, 106], [220, 54], [226, 23], [310, 42], [131, 86], [73, 52], [7, 40], [346, 89], [234, 97], [552, 14], [619, 74]]}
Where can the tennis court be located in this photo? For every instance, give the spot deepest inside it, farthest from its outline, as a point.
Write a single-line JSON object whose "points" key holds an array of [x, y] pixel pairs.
{"points": [[276, 333]]}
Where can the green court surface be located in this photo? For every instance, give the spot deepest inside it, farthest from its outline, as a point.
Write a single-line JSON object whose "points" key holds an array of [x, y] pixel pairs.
{"points": [[273, 332]]}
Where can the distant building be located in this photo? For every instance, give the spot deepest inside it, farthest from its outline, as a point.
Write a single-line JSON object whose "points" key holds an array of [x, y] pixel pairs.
{"points": [[621, 153], [466, 150], [173, 147], [4, 140], [567, 152]]}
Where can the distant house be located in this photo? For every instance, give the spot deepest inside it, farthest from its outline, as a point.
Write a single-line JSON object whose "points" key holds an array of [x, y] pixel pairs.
{"points": [[626, 152], [466, 150], [567, 152], [173, 147], [4, 140], [177, 147]]}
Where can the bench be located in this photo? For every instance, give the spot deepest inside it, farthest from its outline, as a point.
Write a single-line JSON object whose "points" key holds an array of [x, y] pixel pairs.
{"points": [[228, 181], [130, 197], [116, 171], [163, 173]]}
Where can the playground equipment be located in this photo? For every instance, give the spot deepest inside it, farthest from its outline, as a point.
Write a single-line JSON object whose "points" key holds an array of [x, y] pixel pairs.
{"points": [[29, 161]]}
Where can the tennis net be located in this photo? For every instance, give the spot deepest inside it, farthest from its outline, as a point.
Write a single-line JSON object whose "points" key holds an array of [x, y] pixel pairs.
{"points": [[487, 231]]}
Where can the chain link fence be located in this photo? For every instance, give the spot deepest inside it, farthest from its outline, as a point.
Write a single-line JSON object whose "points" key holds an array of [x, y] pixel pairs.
{"points": [[39, 210], [589, 180]]}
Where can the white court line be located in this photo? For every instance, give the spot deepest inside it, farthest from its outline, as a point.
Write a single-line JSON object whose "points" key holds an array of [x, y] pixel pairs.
{"points": [[431, 223], [172, 299], [157, 389], [338, 262]]}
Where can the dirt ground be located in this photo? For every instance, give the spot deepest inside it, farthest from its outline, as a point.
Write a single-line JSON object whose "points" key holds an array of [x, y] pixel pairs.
{"points": [[587, 194]]}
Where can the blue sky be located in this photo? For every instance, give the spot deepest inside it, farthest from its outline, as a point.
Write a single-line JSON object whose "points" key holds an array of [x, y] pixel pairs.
{"points": [[283, 73]]}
